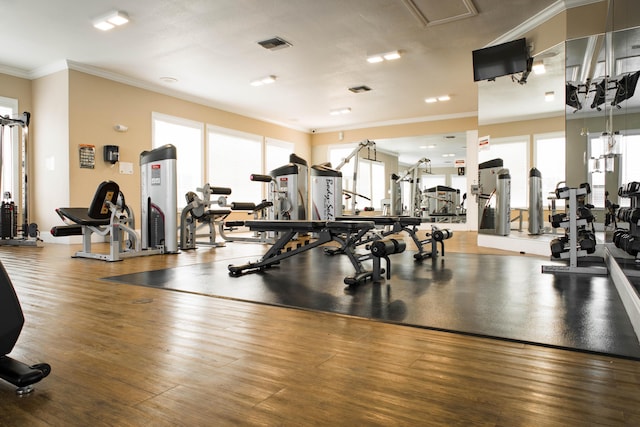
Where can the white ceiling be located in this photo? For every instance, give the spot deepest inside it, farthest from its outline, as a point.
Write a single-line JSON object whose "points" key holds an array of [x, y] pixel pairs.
{"points": [[211, 48]]}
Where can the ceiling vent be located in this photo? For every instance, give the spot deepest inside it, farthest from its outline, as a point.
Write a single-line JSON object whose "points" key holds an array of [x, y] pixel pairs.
{"points": [[274, 43], [360, 89]]}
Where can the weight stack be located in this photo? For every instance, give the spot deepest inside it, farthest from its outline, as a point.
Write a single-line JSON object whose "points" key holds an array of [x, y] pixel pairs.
{"points": [[8, 220]]}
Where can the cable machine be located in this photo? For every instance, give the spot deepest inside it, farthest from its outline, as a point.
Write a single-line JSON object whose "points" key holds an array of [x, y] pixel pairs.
{"points": [[369, 145], [27, 234], [411, 176]]}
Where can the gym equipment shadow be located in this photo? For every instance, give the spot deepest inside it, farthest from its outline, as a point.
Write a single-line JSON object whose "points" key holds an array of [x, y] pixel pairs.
{"points": [[497, 296]]}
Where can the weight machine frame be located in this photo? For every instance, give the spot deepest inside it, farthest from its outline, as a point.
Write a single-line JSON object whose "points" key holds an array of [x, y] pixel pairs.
{"points": [[28, 231]]}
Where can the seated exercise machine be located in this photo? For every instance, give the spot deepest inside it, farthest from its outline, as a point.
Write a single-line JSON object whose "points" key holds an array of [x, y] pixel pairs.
{"points": [[197, 215], [396, 224], [345, 233], [15, 372], [109, 215]]}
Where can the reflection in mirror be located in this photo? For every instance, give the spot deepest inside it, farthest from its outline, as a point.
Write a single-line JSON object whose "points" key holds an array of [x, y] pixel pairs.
{"points": [[430, 180], [524, 126], [602, 113]]}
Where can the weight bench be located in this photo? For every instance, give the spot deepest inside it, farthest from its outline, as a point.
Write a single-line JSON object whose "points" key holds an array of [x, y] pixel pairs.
{"points": [[396, 224], [345, 233]]}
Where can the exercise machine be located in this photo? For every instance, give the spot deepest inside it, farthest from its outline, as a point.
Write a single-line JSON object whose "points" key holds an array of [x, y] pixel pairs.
{"points": [[158, 178], [411, 177], [326, 192], [198, 215], [536, 224], [344, 233], [441, 203], [353, 193], [494, 196], [199, 221], [28, 234], [288, 189], [19, 374], [107, 215]]}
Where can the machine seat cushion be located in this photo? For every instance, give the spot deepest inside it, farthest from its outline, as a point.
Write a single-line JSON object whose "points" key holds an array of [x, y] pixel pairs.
{"points": [[98, 212], [81, 216]]}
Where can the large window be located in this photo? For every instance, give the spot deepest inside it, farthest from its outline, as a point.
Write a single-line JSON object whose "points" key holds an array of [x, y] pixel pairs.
{"points": [[227, 159], [371, 183], [550, 161], [187, 136], [514, 154], [277, 154], [233, 157], [10, 151]]}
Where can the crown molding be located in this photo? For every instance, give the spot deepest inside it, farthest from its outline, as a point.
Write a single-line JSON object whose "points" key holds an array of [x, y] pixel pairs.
{"points": [[540, 18]]}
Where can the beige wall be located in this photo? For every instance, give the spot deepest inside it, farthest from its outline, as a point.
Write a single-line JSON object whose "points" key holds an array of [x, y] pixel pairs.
{"points": [[49, 180]]}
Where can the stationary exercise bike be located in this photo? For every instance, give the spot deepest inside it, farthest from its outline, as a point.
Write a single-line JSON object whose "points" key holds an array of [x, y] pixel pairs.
{"points": [[17, 373]]}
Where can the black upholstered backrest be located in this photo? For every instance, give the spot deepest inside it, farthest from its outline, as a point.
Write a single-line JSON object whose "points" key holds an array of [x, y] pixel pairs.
{"points": [[11, 318], [107, 192]]}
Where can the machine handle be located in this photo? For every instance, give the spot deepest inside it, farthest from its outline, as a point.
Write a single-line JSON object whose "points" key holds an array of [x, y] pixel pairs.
{"points": [[260, 178]]}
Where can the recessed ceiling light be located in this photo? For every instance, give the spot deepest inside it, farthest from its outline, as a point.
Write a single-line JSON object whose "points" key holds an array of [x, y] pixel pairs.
{"points": [[111, 20], [390, 56], [444, 98], [168, 79], [431, 100], [379, 57], [263, 81], [339, 111]]}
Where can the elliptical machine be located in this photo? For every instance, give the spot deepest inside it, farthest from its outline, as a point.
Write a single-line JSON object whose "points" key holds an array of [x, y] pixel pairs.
{"points": [[17, 373]]}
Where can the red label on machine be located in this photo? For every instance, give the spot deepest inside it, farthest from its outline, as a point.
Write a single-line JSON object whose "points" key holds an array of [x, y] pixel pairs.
{"points": [[284, 178], [155, 166]]}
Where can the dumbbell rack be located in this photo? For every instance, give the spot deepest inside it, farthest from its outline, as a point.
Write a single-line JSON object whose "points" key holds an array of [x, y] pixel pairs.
{"points": [[571, 225], [631, 191]]}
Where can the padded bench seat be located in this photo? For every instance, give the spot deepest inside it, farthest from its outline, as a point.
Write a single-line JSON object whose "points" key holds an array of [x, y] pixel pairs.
{"points": [[81, 217]]}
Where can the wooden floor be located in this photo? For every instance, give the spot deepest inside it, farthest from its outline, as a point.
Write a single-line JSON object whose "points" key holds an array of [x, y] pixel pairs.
{"points": [[134, 356]]}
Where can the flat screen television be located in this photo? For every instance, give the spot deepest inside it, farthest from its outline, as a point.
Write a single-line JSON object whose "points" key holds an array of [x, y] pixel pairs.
{"points": [[500, 60]]}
